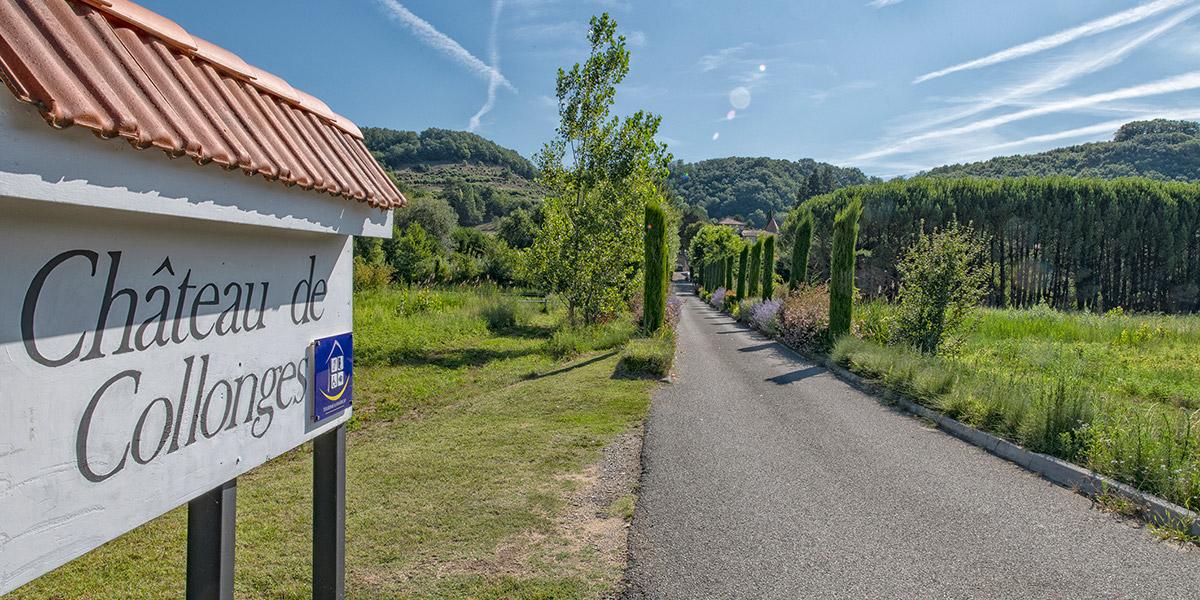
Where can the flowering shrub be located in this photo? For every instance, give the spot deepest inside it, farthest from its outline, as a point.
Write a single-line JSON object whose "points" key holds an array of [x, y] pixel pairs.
{"points": [[674, 305], [804, 319], [746, 309], [765, 316], [718, 298]]}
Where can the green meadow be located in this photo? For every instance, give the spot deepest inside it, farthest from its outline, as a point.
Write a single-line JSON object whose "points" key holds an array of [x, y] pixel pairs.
{"points": [[476, 417]]}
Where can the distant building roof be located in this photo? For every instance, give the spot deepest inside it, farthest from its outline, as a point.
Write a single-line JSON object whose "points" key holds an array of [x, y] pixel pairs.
{"points": [[730, 221], [118, 69], [772, 226], [752, 233]]}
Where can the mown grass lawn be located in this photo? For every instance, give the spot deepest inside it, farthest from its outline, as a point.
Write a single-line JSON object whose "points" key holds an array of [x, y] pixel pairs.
{"points": [[1117, 393], [463, 446]]}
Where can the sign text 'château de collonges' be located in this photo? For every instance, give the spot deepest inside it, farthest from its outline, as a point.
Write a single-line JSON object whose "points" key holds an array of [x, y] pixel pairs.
{"points": [[171, 308]]}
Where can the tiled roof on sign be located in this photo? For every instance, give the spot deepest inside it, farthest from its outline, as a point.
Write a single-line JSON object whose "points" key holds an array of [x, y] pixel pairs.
{"points": [[119, 69]]}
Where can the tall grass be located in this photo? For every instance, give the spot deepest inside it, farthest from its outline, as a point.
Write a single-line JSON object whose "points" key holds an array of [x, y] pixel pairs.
{"points": [[1154, 447]]}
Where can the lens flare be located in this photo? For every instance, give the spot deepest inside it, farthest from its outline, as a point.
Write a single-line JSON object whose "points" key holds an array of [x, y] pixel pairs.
{"points": [[716, 136], [762, 68], [730, 115], [740, 98]]}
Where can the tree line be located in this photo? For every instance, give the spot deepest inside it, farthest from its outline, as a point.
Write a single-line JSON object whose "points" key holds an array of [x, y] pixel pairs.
{"points": [[1069, 243], [402, 149]]}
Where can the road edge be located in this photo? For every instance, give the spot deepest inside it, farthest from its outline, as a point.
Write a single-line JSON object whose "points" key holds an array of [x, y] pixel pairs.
{"points": [[1095, 486]]}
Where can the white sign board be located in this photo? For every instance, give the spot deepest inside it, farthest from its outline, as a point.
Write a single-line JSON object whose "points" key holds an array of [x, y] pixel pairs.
{"points": [[145, 360]]}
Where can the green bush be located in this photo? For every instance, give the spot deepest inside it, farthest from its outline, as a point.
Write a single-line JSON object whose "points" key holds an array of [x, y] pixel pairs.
{"points": [[941, 283], [570, 341], [768, 265], [800, 248], [371, 276], [650, 356], [500, 314], [654, 276], [841, 280]]}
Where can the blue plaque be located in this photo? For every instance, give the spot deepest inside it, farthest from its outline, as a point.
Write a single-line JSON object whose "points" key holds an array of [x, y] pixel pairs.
{"points": [[334, 366]]}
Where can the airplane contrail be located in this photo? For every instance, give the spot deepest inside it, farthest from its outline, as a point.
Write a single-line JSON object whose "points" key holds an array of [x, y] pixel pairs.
{"points": [[1090, 28], [437, 40]]}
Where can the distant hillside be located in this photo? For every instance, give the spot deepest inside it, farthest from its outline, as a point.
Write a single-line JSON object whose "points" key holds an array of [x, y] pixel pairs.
{"points": [[752, 188], [1159, 149], [479, 178]]}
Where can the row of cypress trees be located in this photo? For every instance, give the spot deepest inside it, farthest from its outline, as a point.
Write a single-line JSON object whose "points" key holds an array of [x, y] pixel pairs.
{"points": [[1068, 242], [752, 272]]}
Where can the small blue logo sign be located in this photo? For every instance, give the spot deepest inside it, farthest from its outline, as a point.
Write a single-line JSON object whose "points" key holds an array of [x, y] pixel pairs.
{"points": [[334, 360]]}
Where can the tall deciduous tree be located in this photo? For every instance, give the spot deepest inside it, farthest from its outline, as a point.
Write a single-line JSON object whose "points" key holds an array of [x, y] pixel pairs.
{"points": [[600, 172], [841, 279], [800, 248]]}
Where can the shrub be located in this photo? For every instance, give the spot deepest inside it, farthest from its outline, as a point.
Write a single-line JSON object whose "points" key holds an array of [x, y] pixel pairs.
{"points": [[768, 265], [655, 273], [499, 314], [804, 318], [765, 316], [841, 279], [571, 341], [800, 249], [718, 299], [743, 256], [674, 306], [650, 356], [371, 276], [875, 322], [745, 309], [941, 282]]}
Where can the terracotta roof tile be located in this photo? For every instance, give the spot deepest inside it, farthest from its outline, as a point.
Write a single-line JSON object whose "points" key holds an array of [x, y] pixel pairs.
{"points": [[121, 70]]}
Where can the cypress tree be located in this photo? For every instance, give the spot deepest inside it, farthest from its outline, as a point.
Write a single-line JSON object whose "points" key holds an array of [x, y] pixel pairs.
{"points": [[755, 269], [841, 267], [654, 292], [741, 275], [728, 273], [800, 248], [768, 264]]}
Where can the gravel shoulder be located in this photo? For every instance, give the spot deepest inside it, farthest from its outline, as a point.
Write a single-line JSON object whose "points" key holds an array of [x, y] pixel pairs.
{"points": [[764, 476]]}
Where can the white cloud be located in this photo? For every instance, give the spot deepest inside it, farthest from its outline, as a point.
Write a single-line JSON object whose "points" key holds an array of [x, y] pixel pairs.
{"points": [[1067, 71], [820, 96], [430, 36], [1106, 128], [494, 56], [637, 39], [1179, 83], [720, 58], [1090, 28], [883, 3]]}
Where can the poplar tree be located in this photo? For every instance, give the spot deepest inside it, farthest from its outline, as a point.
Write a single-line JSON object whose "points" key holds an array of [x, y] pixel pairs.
{"points": [[768, 265], [654, 277], [599, 172], [800, 248], [841, 277], [743, 256], [728, 273], [755, 268]]}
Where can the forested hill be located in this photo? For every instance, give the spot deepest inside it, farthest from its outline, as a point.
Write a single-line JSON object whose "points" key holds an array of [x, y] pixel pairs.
{"points": [[408, 149], [753, 188], [1159, 149], [480, 179]]}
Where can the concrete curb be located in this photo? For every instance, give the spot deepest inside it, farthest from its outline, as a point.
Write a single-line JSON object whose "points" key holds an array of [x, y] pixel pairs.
{"points": [[1074, 477], [1084, 481]]}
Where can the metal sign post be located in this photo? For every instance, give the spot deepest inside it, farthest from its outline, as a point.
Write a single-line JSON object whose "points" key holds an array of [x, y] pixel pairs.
{"points": [[329, 515], [210, 544]]}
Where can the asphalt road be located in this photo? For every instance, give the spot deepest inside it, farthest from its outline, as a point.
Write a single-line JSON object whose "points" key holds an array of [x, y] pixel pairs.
{"points": [[764, 476]]}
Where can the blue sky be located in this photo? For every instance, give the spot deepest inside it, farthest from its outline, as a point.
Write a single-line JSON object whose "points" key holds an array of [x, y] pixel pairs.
{"points": [[891, 86]]}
